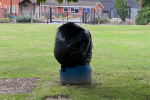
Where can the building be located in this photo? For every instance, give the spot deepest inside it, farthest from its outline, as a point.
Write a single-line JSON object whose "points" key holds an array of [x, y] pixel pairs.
{"points": [[35, 9], [5, 6], [108, 7], [31, 7], [74, 9]]}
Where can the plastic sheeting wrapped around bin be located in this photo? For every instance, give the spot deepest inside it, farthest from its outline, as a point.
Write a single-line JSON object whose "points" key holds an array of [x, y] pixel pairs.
{"points": [[73, 45]]}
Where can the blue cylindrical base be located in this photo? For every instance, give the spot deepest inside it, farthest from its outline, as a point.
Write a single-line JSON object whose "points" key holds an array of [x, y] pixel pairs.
{"points": [[80, 74]]}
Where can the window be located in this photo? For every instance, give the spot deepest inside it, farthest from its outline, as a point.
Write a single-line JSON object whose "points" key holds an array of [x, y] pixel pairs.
{"points": [[88, 11], [13, 9], [105, 11], [5, 10], [8, 8], [5, 6], [65, 10], [42, 8], [47, 9], [95, 10], [74, 10], [21, 8], [99, 10], [17, 9]]}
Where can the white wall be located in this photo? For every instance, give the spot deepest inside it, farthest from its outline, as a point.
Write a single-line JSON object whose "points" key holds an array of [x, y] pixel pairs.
{"points": [[27, 10]]}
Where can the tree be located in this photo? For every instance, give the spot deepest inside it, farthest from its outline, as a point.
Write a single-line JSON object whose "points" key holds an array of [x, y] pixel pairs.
{"points": [[140, 4], [143, 3], [143, 15], [60, 1], [121, 8]]}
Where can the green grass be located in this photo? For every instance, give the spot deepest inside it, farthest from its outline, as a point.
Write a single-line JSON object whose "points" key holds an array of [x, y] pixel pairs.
{"points": [[120, 62]]}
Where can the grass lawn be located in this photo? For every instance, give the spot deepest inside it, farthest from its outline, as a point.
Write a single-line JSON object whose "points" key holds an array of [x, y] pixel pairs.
{"points": [[120, 62]]}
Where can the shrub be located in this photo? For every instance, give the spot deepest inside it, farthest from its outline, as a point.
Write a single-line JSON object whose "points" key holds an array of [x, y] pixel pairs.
{"points": [[143, 16], [23, 19], [42, 18], [102, 20], [70, 17], [4, 20], [37, 20], [121, 8], [53, 17]]}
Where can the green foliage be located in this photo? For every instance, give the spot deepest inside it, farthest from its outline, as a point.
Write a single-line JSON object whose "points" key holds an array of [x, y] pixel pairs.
{"points": [[22, 19], [70, 17], [37, 20], [145, 2], [60, 1], [121, 8], [143, 16], [4, 20], [102, 20]]}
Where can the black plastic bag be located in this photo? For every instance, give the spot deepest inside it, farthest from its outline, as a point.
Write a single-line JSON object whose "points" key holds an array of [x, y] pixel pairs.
{"points": [[73, 45]]}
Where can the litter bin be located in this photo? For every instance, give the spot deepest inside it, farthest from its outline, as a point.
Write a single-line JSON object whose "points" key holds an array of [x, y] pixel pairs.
{"points": [[80, 74], [73, 50], [10, 16], [61, 15]]}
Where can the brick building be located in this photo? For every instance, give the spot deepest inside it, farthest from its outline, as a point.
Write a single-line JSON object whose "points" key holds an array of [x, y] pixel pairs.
{"points": [[5, 6], [72, 8], [32, 7]]}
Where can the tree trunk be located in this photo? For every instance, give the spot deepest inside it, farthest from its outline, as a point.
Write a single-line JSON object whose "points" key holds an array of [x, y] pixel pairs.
{"points": [[140, 4]]}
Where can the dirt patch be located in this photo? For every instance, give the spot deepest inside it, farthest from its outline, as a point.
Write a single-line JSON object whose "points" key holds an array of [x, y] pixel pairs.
{"points": [[22, 85], [148, 23], [96, 74], [56, 98]]}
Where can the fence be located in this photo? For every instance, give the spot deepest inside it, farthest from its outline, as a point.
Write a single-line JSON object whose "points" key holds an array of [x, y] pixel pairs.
{"points": [[6, 17], [85, 15], [3, 15]]}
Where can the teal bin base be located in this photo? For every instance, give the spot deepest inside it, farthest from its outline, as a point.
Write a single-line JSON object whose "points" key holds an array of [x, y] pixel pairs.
{"points": [[80, 74]]}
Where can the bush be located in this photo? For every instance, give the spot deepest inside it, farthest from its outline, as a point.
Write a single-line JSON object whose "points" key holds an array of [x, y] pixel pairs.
{"points": [[42, 18], [25, 19], [143, 16], [4, 20], [37, 20], [102, 20], [121, 9], [70, 17], [53, 17]]}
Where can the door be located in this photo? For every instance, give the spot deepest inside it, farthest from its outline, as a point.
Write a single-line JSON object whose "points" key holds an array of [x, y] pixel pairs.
{"points": [[111, 13]]}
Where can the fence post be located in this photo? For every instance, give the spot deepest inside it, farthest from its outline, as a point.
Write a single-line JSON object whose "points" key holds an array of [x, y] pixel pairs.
{"points": [[31, 20], [80, 21], [134, 21], [63, 20], [50, 15], [82, 15], [117, 21], [98, 21], [67, 16], [85, 17], [94, 16], [15, 20], [47, 20]]}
